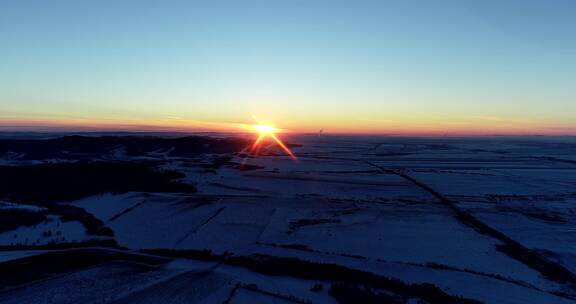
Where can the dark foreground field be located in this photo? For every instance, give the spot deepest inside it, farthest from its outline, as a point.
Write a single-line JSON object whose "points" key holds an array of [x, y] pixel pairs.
{"points": [[142, 219]]}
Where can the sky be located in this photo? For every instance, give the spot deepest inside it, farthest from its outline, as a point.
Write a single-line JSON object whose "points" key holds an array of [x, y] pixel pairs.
{"points": [[388, 67]]}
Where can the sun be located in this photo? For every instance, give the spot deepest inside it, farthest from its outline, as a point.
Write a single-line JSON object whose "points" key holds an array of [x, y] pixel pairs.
{"points": [[265, 130]]}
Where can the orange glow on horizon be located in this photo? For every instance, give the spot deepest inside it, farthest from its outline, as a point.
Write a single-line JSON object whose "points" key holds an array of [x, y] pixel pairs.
{"points": [[419, 127]]}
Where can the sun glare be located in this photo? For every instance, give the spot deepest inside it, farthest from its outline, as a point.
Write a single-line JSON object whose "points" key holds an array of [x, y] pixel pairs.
{"points": [[267, 131]]}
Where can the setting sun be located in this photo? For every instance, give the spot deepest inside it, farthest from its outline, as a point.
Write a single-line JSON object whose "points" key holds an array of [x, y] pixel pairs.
{"points": [[265, 129]]}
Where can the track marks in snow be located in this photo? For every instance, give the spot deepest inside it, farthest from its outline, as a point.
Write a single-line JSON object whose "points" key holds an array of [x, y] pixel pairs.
{"points": [[197, 228], [529, 257], [125, 211]]}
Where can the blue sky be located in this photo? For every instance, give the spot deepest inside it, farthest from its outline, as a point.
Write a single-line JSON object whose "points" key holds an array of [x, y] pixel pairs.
{"points": [[375, 66]]}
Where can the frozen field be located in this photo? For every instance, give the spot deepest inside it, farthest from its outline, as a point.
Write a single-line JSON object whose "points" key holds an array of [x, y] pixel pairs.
{"points": [[381, 219]]}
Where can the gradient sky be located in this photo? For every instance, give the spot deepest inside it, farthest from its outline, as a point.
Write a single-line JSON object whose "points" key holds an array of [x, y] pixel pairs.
{"points": [[422, 67]]}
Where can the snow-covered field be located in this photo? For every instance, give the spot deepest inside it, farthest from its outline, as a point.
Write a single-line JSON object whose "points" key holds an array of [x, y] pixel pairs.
{"points": [[419, 210]]}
